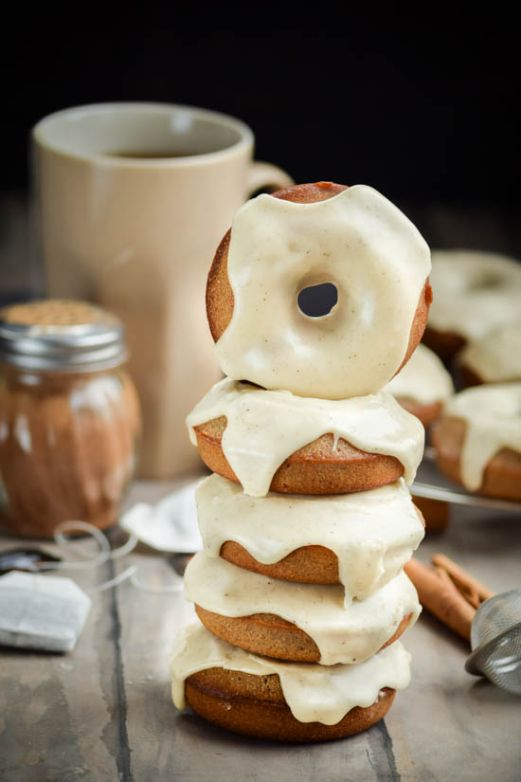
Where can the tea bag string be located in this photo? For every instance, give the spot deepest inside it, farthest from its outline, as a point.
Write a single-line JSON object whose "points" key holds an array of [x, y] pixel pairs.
{"points": [[104, 554]]}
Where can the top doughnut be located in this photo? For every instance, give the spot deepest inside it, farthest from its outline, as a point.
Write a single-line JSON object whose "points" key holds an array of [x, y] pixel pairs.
{"points": [[303, 236]]}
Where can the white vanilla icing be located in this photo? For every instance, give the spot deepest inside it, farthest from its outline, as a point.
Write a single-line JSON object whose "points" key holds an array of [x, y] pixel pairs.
{"points": [[496, 358], [423, 379], [343, 634], [265, 427], [493, 417], [373, 533], [314, 693], [474, 292], [357, 240]]}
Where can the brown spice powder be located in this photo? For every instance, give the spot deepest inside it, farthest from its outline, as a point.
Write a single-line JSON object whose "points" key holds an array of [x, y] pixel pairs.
{"points": [[67, 447]]}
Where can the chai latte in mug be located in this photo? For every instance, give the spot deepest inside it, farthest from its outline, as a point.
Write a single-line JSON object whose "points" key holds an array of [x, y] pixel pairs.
{"points": [[148, 154]]}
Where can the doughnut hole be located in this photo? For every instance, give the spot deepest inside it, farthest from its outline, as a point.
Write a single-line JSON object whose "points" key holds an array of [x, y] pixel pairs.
{"points": [[317, 301]]}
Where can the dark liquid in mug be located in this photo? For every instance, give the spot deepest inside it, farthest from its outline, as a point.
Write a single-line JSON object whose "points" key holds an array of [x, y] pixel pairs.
{"points": [[147, 154]]}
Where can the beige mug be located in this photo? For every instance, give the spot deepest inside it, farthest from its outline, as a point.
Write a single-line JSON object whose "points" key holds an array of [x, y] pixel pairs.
{"points": [[133, 199]]}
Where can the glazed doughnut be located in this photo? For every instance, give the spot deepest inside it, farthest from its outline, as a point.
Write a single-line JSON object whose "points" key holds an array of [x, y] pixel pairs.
{"points": [[475, 293], [478, 440], [317, 468], [270, 636], [255, 706], [422, 386], [307, 235], [360, 540], [290, 444], [322, 623], [306, 564], [495, 358], [267, 699]]}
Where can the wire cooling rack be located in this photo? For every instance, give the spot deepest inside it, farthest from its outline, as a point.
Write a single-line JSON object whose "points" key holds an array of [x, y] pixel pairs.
{"points": [[430, 483]]}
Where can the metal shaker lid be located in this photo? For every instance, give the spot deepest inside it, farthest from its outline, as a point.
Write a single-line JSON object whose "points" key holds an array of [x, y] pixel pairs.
{"points": [[61, 335]]}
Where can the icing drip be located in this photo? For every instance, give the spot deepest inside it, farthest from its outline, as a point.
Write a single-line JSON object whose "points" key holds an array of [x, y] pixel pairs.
{"points": [[265, 427], [343, 635], [423, 379], [358, 241], [493, 417], [474, 292], [314, 693], [373, 533], [497, 357]]}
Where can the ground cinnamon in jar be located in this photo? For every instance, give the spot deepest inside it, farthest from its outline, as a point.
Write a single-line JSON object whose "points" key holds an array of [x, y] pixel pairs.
{"points": [[69, 416]]}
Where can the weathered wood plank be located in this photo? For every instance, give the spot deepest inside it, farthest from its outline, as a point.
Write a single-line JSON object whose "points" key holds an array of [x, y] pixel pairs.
{"points": [[58, 713], [450, 725]]}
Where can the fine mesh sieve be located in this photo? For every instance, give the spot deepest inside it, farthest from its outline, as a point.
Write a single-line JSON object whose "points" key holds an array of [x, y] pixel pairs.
{"points": [[496, 641]]}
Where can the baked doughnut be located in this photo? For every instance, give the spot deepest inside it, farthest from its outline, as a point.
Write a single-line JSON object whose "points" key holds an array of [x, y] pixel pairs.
{"points": [[306, 565], [475, 293], [255, 706], [307, 235], [478, 440], [271, 636], [317, 468], [290, 444], [358, 540], [496, 358], [422, 385], [300, 622], [285, 702]]}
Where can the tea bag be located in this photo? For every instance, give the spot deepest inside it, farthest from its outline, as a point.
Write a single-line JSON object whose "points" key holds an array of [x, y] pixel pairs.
{"points": [[41, 612]]}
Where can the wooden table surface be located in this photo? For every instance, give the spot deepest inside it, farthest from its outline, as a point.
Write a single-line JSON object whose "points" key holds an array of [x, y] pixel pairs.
{"points": [[104, 711]]}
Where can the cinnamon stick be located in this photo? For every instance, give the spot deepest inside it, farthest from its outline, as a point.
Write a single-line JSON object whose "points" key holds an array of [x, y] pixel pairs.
{"points": [[471, 597], [474, 591], [439, 595]]}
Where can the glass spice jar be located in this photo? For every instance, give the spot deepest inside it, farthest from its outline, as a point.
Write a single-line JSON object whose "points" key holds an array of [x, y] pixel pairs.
{"points": [[69, 416]]}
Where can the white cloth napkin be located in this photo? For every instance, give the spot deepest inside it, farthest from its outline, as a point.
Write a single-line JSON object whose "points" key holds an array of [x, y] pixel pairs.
{"points": [[170, 525]]}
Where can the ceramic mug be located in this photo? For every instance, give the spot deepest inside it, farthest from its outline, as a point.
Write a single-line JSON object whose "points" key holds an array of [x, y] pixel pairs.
{"points": [[133, 199]]}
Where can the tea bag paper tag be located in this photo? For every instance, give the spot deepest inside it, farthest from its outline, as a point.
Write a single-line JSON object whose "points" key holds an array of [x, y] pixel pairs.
{"points": [[169, 526], [41, 612]]}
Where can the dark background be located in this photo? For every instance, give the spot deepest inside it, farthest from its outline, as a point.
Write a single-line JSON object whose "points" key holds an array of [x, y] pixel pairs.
{"points": [[423, 105]]}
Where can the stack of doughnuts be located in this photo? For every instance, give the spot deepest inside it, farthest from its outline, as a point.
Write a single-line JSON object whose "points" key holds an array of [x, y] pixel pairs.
{"points": [[307, 521]]}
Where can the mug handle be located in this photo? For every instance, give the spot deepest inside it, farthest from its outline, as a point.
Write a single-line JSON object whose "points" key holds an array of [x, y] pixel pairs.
{"points": [[263, 175]]}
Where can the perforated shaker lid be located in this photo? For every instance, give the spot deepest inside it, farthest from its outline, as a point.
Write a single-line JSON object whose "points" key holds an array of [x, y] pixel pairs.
{"points": [[61, 335]]}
